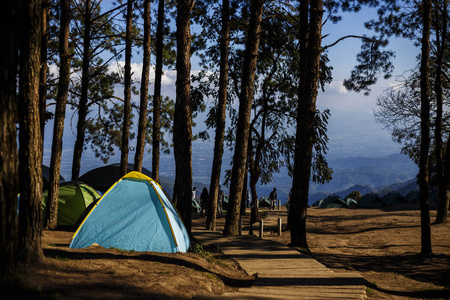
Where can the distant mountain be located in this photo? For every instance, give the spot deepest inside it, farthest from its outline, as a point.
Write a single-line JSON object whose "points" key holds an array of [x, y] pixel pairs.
{"points": [[402, 187], [375, 172], [368, 175], [399, 162]]}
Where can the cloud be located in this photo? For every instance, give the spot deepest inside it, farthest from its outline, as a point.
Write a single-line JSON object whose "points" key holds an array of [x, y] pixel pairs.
{"points": [[168, 78], [336, 87]]}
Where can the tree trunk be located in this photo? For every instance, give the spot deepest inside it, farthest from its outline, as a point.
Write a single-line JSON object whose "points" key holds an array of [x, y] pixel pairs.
{"points": [[310, 51], [220, 117], [254, 177], [254, 161], [127, 97], [142, 126], [244, 192], [30, 156], [443, 191], [83, 104], [51, 216], [9, 185], [442, 212], [425, 132], [182, 131], [243, 125], [157, 96], [44, 67]]}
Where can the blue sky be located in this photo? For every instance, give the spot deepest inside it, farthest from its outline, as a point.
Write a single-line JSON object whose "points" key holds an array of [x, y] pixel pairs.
{"points": [[352, 129]]}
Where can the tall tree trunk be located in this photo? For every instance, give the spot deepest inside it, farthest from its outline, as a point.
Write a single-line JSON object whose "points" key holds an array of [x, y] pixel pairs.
{"points": [[182, 131], [157, 93], [44, 67], [243, 125], [83, 104], [30, 156], [442, 212], [310, 51], [255, 160], [254, 177], [443, 190], [142, 126], [220, 117], [51, 216], [9, 17], [127, 98], [425, 131], [244, 192]]}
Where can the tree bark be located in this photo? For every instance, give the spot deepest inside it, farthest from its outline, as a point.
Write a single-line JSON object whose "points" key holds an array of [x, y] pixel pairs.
{"points": [[243, 125], [220, 117], [44, 65], [182, 131], [127, 96], [51, 216], [142, 126], [157, 93], [254, 177], [255, 155], [9, 185], [310, 51], [425, 132], [83, 104], [443, 186], [30, 156]]}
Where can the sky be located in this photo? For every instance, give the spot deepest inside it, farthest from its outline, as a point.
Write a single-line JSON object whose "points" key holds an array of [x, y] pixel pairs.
{"points": [[352, 130]]}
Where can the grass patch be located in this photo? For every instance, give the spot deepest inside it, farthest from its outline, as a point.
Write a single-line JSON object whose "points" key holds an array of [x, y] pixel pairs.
{"points": [[56, 257], [369, 291], [209, 256], [211, 276], [198, 249], [263, 215]]}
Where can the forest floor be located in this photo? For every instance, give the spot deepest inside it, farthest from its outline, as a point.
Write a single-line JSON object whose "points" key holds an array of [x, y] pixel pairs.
{"points": [[382, 245]]}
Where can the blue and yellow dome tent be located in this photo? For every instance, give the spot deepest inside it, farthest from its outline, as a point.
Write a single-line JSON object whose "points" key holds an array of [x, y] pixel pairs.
{"points": [[134, 214]]}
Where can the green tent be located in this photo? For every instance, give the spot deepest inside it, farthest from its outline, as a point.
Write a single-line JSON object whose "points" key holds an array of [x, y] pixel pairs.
{"points": [[394, 198], [104, 177], [264, 201], [74, 198], [371, 201], [412, 197], [349, 202], [332, 201]]}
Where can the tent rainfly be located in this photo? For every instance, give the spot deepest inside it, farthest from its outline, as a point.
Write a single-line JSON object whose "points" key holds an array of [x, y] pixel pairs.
{"points": [[393, 198], [102, 178], [134, 214], [74, 198], [332, 201], [371, 200], [264, 201]]}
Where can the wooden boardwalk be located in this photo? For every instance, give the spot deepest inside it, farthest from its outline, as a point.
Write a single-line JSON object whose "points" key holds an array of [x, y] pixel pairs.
{"points": [[282, 272]]}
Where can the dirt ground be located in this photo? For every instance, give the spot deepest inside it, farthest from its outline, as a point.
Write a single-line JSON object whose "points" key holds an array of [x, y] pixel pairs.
{"points": [[99, 273], [382, 245]]}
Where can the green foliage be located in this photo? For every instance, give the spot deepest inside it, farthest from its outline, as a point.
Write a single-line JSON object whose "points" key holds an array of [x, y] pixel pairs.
{"points": [[369, 291], [355, 195], [321, 172], [198, 249], [166, 118]]}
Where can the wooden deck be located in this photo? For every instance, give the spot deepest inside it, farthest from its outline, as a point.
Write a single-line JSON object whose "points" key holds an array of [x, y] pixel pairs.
{"points": [[282, 272]]}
